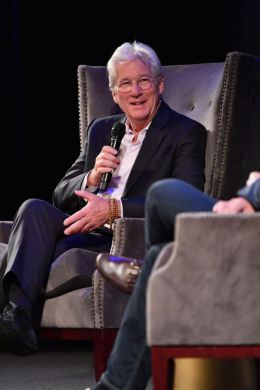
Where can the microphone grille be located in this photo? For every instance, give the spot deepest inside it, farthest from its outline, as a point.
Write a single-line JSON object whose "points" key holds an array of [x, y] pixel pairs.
{"points": [[118, 130]]}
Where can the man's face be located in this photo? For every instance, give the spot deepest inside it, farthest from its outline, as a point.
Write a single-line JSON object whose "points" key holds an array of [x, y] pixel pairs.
{"points": [[137, 92]]}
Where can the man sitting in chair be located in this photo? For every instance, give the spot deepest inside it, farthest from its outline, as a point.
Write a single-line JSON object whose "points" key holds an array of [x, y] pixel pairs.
{"points": [[129, 365], [157, 143]]}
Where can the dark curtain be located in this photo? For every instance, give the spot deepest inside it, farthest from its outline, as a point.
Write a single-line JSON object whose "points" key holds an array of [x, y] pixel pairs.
{"points": [[12, 85]]}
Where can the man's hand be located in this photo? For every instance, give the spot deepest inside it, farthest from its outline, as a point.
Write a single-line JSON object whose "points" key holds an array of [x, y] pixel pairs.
{"points": [[106, 161], [91, 216], [253, 176], [234, 205]]}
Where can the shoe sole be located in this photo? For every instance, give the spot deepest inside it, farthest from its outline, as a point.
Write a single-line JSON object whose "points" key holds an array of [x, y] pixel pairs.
{"points": [[15, 344], [7, 342]]}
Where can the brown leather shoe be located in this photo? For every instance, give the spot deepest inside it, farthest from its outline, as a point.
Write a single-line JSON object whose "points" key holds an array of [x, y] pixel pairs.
{"points": [[121, 272]]}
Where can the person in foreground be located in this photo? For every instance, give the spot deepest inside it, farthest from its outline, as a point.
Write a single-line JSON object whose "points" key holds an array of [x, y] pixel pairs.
{"points": [[129, 364], [157, 143]]}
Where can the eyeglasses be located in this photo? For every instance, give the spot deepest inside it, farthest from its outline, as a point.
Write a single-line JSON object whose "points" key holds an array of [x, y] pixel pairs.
{"points": [[143, 83]]}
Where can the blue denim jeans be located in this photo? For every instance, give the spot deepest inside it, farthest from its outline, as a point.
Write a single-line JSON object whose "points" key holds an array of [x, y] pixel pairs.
{"points": [[129, 365]]}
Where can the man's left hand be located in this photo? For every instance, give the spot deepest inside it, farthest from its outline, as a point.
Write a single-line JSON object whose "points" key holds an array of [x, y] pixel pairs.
{"points": [[91, 216]]}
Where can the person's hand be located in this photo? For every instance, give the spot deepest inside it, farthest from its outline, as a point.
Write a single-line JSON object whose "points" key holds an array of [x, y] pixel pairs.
{"points": [[106, 161], [234, 205], [90, 217], [253, 176]]}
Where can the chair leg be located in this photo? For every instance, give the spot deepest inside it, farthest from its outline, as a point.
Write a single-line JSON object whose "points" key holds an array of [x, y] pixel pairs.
{"points": [[257, 368], [162, 368], [103, 341]]}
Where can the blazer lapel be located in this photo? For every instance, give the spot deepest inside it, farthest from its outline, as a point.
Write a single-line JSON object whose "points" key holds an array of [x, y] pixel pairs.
{"points": [[155, 134]]}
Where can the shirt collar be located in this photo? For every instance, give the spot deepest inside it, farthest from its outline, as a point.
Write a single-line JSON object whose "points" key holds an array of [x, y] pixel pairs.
{"points": [[130, 131]]}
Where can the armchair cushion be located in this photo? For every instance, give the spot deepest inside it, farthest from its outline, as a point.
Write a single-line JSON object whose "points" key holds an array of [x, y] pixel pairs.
{"points": [[5, 229], [3, 250], [67, 275], [71, 310]]}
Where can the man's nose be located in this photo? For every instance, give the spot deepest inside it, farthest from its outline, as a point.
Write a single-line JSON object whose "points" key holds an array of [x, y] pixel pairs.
{"points": [[135, 87]]}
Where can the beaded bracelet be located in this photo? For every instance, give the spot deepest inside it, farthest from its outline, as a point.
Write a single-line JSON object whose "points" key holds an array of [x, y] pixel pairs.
{"points": [[113, 211]]}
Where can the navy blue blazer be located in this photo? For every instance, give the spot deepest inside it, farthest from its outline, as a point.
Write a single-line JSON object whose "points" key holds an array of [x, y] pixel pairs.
{"points": [[174, 146]]}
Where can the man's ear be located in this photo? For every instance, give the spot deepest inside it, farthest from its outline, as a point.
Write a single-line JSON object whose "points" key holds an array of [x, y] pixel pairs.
{"points": [[114, 97], [161, 86]]}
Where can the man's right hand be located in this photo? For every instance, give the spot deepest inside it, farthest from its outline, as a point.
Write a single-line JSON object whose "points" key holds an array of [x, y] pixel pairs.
{"points": [[106, 161]]}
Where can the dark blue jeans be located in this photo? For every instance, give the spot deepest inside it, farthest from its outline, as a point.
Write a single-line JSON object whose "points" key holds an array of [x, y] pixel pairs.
{"points": [[129, 365]]}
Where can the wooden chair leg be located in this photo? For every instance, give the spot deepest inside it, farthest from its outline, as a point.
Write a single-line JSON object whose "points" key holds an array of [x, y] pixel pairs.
{"points": [[163, 368], [103, 341], [257, 369]]}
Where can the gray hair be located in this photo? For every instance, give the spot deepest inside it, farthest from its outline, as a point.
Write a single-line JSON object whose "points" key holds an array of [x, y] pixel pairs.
{"points": [[129, 52]]}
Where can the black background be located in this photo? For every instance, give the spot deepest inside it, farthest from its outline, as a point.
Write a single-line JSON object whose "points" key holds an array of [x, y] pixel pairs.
{"points": [[41, 45]]}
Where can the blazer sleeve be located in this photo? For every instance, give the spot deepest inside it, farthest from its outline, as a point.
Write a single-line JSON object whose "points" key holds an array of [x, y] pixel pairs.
{"points": [[63, 196]]}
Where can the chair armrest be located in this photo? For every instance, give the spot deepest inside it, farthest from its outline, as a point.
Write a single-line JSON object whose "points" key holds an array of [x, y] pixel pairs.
{"points": [[163, 256], [5, 229], [108, 302], [211, 283], [128, 238]]}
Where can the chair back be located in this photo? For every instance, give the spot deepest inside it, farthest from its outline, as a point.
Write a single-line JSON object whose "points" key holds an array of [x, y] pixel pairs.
{"points": [[222, 96]]}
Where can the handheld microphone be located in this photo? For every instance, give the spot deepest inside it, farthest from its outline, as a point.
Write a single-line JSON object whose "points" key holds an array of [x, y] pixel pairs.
{"points": [[117, 133]]}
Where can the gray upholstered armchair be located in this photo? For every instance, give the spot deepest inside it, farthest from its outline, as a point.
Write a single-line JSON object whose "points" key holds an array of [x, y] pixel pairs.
{"points": [[223, 97], [211, 273]]}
